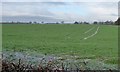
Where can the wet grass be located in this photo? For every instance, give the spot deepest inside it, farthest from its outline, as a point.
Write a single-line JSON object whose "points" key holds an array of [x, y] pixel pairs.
{"points": [[112, 61], [62, 39]]}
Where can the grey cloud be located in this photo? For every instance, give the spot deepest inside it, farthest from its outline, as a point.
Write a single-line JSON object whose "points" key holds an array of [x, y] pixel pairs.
{"points": [[108, 4], [34, 3], [40, 11], [29, 18], [33, 9]]}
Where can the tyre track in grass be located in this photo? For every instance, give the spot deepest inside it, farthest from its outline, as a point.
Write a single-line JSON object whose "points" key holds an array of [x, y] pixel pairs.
{"points": [[67, 36], [92, 34], [89, 30]]}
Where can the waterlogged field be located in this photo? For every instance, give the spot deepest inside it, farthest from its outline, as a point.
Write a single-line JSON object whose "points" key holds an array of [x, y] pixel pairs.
{"points": [[94, 43]]}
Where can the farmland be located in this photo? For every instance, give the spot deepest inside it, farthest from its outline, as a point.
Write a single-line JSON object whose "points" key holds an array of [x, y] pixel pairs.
{"points": [[99, 42]]}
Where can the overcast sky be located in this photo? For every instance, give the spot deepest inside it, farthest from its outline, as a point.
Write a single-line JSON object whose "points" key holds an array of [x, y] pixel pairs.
{"points": [[56, 11]]}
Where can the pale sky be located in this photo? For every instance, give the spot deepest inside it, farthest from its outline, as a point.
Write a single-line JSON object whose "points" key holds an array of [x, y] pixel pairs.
{"points": [[59, 0], [59, 10]]}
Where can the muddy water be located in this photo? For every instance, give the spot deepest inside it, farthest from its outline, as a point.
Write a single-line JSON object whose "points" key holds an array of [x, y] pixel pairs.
{"points": [[68, 61]]}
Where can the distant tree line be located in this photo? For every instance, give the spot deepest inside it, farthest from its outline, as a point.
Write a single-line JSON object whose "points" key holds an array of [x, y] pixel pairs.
{"points": [[95, 22], [62, 22], [20, 22], [81, 22]]}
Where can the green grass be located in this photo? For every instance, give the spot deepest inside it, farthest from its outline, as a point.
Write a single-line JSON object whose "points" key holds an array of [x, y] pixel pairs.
{"points": [[63, 40]]}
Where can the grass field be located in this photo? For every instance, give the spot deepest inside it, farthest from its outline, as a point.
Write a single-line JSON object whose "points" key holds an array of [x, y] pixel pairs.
{"points": [[63, 40]]}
